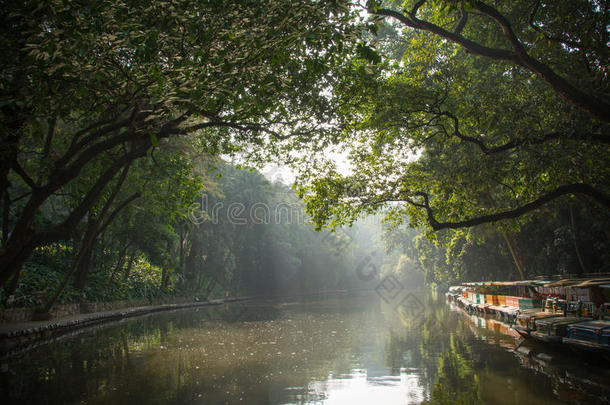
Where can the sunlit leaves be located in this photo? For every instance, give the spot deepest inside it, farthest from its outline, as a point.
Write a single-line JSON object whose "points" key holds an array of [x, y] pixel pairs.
{"points": [[476, 135]]}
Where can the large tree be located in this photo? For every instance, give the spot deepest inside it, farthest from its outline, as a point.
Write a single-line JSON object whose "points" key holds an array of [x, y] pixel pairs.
{"points": [[102, 83], [477, 112]]}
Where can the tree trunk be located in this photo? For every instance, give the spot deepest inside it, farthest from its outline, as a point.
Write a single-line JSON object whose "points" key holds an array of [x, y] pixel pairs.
{"points": [[9, 145], [12, 259], [181, 248], [130, 265], [94, 229], [193, 260], [164, 278], [84, 254], [6, 209], [12, 287], [165, 271], [575, 240], [514, 252], [80, 278], [75, 265], [121, 260], [24, 238], [510, 242]]}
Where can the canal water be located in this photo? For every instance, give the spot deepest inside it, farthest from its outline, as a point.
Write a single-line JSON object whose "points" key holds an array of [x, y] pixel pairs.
{"points": [[335, 350]]}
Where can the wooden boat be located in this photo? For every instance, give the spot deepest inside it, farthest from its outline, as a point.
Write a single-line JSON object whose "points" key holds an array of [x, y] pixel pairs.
{"points": [[592, 336], [554, 329], [525, 323]]}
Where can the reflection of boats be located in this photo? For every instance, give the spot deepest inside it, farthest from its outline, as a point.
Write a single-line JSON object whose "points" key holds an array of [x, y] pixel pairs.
{"points": [[592, 336], [489, 328], [581, 380], [571, 380], [553, 329]]}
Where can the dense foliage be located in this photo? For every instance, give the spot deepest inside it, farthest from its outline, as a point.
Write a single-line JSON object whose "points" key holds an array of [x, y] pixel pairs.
{"points": [[473, 113], [90, 86]]}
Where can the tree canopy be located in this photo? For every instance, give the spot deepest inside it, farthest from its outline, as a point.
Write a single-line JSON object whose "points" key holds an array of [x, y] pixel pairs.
{"points": [[474, 112], [90, 86], [449, 114]]}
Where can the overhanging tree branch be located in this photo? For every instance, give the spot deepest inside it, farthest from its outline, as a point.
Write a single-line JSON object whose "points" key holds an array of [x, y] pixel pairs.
{"points": [[471, 46], [573, 189]]}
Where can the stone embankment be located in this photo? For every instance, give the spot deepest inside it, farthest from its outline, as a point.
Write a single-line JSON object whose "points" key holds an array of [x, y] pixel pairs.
{"points": [[15, 335]]}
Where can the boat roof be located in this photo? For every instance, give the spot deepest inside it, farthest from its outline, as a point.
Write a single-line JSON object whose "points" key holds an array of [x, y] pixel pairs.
{"points": [[507, 283], [566, 282], [592, 325], [603, 282], [563, 319], [593, 282], [540, 315]]}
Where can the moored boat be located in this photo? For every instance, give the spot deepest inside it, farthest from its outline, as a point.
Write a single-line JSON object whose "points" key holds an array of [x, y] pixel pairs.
{"points": [[550, 312], [525, 323], [592, 336], [554, 329]]}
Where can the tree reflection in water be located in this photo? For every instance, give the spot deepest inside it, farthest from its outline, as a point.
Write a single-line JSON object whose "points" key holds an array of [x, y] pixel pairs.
{"points": [[326, 351]]}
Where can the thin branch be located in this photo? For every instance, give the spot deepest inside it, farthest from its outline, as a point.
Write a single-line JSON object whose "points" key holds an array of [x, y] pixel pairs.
{"points": [[506, 27], [21, 197], [49, 140], [514, 143], [116, 211], [415, 9], [241, 127], [77, 146], [571, 44], [462, 23], [115, 191]]}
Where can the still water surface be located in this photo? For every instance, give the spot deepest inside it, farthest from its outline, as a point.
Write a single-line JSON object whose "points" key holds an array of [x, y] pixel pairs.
{"points": [[338, 350]]}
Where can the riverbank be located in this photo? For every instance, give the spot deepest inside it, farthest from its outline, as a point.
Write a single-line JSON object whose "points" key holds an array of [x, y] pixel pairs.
{"points": [[21, 334]]}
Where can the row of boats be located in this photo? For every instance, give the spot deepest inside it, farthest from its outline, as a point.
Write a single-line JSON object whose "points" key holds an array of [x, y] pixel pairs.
{"points": [[572, 312]]}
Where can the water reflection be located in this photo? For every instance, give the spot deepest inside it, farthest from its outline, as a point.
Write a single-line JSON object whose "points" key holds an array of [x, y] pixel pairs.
{"points": [[349, 350]]}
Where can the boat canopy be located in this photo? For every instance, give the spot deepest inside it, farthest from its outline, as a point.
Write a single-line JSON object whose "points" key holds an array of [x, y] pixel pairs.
{"points": [[567, 282], [592, 325], [532, 283], [593, 282]]}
